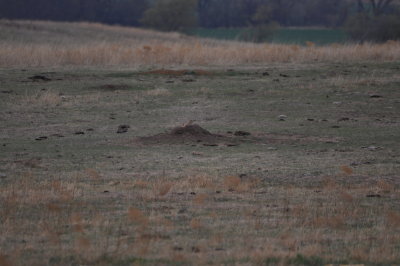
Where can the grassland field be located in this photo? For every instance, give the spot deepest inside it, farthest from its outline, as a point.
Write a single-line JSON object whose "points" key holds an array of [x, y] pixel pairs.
{"points": [[296, 163]]}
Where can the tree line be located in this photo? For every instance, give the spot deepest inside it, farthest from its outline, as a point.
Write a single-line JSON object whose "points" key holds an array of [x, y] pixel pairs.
{"points": [[179, 15]]}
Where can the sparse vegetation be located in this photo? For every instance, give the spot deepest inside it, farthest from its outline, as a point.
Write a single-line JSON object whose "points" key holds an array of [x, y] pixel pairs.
{"points": [[241, 160]]}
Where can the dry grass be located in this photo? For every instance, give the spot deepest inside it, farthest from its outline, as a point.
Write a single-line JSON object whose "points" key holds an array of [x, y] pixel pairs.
{"points": [[69, 44], [44, 98], [157, 92], [97, 199], [254, 225]]}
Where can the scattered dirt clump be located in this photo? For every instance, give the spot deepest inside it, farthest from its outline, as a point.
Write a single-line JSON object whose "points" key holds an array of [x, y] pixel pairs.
{"points": [[171, 72], [112, 87], [123, 129], [188, 134], [39, 78]]}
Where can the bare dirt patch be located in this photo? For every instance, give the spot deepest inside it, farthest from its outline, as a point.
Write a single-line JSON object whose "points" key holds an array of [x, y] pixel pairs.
{"points": [[187, 134], [113, 87], [195, 134]]}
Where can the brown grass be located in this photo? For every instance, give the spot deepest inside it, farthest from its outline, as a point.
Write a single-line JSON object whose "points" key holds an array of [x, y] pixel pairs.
{"points": [[67, 44], [288, 222]]}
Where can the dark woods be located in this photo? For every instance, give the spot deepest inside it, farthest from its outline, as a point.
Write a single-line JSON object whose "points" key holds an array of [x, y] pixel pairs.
{"points": [[123, 12], [363, 19]]}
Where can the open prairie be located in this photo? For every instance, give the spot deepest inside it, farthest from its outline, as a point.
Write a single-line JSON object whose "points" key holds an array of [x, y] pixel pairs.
{"points": [[159, 158]]}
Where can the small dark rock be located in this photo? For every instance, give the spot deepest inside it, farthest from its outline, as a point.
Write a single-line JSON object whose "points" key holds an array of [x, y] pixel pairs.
{"points": [[218, 191], [242, 133], [373, 196], [39, 77], [123, 129], [41, 138], [57, 135], [375, 96], [335, 126], [232, 144], [282, 117], [310, 119], [343, 119], [192, 193], [188, 80], [182, 211], [79, 133], [210, 144], [283, 75], [6, 91], [265, 73]]}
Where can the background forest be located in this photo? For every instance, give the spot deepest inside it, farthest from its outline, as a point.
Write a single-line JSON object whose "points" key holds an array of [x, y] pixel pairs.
{"points": [[364, 20]]}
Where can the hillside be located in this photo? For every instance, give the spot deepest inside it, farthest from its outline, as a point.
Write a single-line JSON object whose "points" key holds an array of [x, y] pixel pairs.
{"points": [[28, 43]]}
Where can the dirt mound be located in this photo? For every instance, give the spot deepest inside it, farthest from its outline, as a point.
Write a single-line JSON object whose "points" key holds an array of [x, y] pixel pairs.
{"points": [[194, 130], [194, 134], [188, 134]]}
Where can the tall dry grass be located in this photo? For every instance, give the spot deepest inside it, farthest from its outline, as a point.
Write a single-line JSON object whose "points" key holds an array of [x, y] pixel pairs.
{"points": [[27, 43], [186, 220]]}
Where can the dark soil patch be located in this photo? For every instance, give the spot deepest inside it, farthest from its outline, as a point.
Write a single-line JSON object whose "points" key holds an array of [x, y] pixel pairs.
{"points": [[113, 87], [171, 72], [39, 78], [188, 134], [194, 134]]}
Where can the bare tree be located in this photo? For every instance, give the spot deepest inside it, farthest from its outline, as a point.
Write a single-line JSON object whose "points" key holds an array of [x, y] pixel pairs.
{"points": [[378, 6]]}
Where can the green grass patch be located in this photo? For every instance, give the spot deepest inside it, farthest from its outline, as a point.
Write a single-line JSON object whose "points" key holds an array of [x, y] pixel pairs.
{"points": [[298, 36]]}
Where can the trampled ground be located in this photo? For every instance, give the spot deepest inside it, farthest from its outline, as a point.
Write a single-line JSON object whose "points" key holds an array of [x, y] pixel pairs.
{"points": [[290, 164]]}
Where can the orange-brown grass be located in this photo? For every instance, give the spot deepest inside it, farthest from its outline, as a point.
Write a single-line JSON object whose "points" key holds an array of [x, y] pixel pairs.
{"points": [[41, 44], [253, 224]]}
